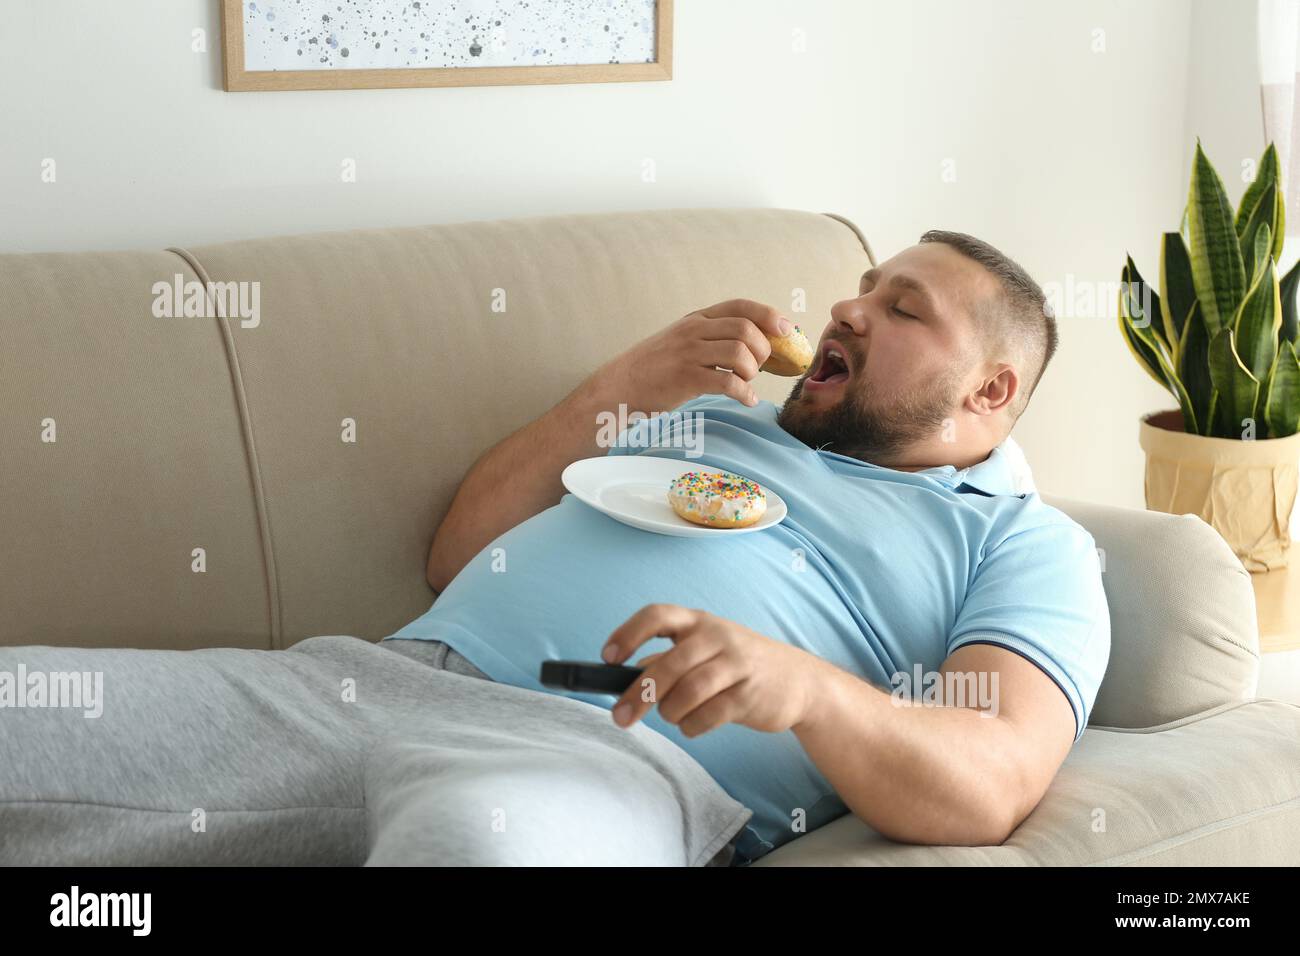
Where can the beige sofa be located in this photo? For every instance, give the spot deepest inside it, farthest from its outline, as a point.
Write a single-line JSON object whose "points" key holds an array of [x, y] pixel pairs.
{"points": [[180, 433]]}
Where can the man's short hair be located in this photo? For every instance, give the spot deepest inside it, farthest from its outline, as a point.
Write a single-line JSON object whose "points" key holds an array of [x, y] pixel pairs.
{"points": [[1019, 319]]}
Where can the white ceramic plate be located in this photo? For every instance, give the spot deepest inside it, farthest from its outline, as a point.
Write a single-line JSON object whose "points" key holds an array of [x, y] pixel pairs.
{"points": [[634, 490]]}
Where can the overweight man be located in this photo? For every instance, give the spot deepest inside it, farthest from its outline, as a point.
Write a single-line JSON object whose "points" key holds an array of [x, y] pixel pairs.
{"points": [[916, 642]]}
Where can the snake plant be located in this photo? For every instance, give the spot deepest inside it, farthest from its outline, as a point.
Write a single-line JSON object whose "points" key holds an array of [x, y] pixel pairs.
{"points": [[1220, 333]]}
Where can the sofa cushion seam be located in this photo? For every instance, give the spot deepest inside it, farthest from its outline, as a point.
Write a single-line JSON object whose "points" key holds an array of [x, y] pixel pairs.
{"points": [[1189, 836], [250, 451], [856, 231], [1190, 719]]}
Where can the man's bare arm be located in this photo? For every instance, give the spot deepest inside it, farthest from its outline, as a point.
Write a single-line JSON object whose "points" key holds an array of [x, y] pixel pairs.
{"points": [[940, 775], [518, 478], [717, 350]]}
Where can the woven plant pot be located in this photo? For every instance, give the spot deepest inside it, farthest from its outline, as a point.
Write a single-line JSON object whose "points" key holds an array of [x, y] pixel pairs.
{"points": [[1245, 490]]}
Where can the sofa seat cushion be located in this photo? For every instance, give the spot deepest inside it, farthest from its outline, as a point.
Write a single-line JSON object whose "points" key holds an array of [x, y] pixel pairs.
{"points": [[1218, 786]]}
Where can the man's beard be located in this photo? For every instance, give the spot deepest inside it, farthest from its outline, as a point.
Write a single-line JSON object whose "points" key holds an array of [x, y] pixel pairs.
{"points": [[861, 425]]}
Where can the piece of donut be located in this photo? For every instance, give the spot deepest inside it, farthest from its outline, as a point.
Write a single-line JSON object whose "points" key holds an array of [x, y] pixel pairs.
{"points": [[791, 354], [717, 499]]}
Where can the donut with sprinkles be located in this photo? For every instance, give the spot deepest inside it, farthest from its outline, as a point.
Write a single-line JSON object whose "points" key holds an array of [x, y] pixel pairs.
{"points": [[717, 499]]}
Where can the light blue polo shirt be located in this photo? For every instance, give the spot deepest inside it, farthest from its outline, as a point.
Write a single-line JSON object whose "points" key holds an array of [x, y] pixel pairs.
{"points": [[873, 569]]}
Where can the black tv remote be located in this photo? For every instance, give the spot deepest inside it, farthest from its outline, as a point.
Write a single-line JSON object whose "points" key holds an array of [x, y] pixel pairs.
{"points": [[592, 677]]}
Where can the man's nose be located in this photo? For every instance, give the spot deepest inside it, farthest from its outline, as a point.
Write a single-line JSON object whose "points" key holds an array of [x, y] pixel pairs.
{"points": [[850, 316]]}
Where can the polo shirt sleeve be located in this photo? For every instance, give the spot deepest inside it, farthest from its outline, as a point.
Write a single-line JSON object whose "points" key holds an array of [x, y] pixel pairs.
{"points": [[1039, 593]]}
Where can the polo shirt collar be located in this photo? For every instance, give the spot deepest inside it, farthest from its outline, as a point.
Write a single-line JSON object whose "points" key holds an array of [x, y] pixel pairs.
{"points": [[993, 475]]}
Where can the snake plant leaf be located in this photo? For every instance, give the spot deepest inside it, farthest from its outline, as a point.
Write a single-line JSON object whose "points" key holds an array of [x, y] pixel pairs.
{"points": [[1267, 174], [1218, 273], [1254, 247], [1282, 410], [1147, 346], [1151, 354], [1194, 368], [1145, 354], [1258, 320], [1279, 222], [1144, 306], [1288, 292], [1238, 389], [1179, 293]]}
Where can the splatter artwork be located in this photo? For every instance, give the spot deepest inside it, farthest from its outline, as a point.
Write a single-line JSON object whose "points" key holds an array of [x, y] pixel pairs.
{"points": [[391, 34]]}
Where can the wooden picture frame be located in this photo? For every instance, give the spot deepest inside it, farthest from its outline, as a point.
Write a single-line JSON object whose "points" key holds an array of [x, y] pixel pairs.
{"points": [[238, 79]]}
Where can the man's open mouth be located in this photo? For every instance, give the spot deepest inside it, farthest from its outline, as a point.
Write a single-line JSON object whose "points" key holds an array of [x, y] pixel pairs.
{"points": [[832, 365]]}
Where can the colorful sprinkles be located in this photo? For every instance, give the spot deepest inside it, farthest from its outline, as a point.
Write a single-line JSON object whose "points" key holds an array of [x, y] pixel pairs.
{"points": [[706, 485]]}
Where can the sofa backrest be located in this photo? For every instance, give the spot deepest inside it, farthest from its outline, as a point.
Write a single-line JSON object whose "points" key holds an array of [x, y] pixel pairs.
{"points": [[176, 434]]}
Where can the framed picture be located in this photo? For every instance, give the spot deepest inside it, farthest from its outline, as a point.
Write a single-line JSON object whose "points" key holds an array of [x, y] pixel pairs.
{"points": [[385, 44]]}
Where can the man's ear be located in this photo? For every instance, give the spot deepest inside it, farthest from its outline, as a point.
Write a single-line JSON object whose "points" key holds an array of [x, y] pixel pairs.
{"points": [[996, 392]]}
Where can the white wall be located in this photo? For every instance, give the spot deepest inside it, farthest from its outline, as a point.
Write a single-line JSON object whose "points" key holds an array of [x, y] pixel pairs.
{"points": [[1066, 157]]}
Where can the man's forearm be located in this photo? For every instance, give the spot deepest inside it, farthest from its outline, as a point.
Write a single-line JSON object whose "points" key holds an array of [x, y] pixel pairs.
{"points": [[916, 774], [518, 478]]}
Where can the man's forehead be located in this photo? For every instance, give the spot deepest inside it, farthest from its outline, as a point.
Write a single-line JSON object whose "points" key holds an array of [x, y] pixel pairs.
{"points": [[936, 271]]}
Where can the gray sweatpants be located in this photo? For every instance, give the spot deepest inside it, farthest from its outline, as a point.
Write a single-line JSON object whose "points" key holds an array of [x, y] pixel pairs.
{"points": [[337, 751]]}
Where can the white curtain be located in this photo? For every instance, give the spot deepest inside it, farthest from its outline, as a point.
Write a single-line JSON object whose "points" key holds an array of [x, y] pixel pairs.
{"points": [[1279, 59]]}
